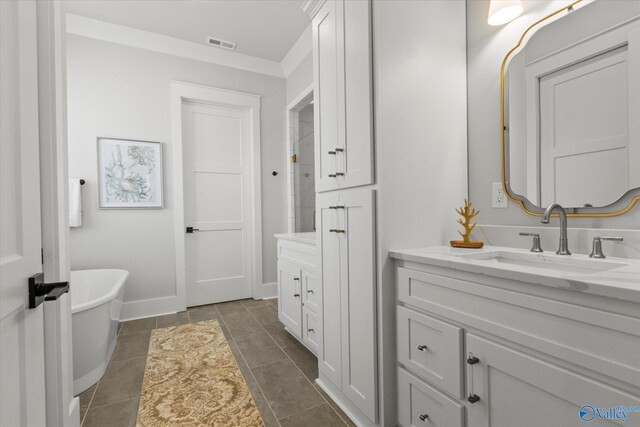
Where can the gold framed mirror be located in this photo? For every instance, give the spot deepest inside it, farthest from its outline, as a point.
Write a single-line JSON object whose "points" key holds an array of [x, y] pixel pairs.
{"points": [[569, 104]]}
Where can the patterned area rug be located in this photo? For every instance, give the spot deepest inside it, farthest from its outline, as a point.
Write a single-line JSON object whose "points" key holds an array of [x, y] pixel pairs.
{"points": [[192, 379]]}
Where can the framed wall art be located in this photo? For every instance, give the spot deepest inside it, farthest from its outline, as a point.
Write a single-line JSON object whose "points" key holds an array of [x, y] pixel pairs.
{"points": [[129, 174]]}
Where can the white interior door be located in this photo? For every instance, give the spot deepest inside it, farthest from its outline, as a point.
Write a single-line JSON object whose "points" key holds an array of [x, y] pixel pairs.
{"points": [[217, 196], [22, 384], [584, 131]]}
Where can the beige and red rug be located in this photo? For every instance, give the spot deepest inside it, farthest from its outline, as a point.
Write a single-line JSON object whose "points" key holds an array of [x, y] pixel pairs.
{"points": [[192, 379]]}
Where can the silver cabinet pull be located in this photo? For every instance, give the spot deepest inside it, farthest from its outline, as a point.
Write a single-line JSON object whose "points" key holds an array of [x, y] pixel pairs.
{"points": [[422, 347], [424, 417]]}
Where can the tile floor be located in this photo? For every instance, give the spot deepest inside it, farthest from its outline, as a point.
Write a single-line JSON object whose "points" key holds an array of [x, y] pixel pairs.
{"points": [[279, 371]]}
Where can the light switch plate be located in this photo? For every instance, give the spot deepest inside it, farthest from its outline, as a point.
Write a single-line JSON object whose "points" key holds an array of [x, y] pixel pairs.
{"points": [[498, 198]]}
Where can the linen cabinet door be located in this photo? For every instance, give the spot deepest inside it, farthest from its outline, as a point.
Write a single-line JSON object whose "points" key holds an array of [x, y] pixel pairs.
{"points": [[356, 158], [358, 295], [290, 301], [514, 388], [328, 93], [328, 271]]}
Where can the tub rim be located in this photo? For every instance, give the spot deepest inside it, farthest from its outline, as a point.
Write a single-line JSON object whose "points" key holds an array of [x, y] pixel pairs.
{"points": [[105, 298]]}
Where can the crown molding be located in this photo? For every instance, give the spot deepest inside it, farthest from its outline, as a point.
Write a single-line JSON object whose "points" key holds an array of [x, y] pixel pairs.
{"points": [[311, 7], [298, 52], [120, 34]]}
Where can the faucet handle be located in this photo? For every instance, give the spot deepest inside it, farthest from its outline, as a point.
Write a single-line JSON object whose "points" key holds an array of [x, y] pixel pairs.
{"points": [[596, 252], [536, 241]]}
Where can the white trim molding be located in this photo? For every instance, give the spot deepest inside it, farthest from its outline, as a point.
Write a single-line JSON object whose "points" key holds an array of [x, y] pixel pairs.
{"points": [[181, 92], [302, 48], [141, 309], [311, 7], [120, 34]]}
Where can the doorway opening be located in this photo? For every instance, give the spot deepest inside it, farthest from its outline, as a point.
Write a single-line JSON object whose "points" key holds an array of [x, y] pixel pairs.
{"points": [[301, 151]]}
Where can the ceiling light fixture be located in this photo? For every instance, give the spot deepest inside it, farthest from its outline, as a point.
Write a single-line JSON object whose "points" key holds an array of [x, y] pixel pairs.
{"points": [[503, 11]]}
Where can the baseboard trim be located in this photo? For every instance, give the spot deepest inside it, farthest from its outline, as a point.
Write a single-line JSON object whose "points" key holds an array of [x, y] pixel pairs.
{"points": [[132, 310], [349, 410], [269, 290]]}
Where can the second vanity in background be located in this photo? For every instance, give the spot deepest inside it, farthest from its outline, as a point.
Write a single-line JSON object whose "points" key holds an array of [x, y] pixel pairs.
{"points": [[298, 290]]}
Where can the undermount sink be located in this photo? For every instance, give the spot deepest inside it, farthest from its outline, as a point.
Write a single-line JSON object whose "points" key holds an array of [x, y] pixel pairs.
{"points": [[567, 264]]}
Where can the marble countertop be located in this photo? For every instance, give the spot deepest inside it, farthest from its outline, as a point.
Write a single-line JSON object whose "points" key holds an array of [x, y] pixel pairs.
{"points": [[621, 282], [308, 238]]}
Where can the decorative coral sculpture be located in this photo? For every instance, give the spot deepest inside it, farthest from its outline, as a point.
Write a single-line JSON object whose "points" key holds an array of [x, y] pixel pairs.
{"points": [[467, 213]]}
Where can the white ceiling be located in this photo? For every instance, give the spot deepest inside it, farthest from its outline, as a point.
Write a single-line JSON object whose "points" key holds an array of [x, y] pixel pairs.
{"points": [[262, 28]]}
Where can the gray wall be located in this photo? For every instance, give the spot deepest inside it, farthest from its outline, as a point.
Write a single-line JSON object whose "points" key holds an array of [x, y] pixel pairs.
{"points": [[486, 48], [301, 78], [123, 92]]}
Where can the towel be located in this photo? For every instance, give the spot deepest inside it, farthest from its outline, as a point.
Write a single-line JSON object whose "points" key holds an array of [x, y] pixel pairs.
{"points": [[75, 203]]}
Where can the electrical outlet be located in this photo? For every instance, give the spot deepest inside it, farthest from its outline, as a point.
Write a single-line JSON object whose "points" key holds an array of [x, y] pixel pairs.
{"points": [[498, 198]]}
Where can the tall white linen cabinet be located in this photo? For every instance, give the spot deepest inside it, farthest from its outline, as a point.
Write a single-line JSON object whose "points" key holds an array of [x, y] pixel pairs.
{"points": [[390, 152]]}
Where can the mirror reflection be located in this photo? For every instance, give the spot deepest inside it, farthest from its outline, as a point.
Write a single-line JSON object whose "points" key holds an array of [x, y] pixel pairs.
{"points": [[572, 108]]}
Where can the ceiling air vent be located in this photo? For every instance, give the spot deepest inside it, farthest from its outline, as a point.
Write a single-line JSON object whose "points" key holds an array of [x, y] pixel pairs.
{"points": [[221, 43]]}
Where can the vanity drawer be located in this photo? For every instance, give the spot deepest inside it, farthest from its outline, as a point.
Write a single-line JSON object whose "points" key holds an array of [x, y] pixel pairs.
{"points": [[310, 292], [430, 348], [310, 330], [417, 399]]}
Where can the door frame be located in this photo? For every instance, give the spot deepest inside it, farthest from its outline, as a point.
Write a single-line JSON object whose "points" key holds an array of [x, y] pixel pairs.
{"points": [[189, 92], [293, 108]]}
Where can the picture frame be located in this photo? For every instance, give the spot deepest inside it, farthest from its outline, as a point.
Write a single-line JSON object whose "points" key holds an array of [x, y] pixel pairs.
{"points": [[130, 174]]}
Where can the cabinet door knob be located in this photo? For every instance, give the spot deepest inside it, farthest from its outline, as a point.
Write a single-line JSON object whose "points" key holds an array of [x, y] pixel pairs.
{"points": [[422, 347], [424, 417], [473, 398], [310, 330], [310, 291]]}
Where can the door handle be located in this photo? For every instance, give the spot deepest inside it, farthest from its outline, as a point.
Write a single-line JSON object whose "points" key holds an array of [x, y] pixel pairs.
{"points": [[39, 291], [191, 229]]}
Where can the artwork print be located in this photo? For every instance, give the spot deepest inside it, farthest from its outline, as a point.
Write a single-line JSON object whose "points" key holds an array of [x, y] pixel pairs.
{"points": [[130, 173]]}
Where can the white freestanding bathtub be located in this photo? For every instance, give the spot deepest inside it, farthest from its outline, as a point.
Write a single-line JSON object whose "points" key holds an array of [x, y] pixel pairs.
{"points": [[96, 302]]}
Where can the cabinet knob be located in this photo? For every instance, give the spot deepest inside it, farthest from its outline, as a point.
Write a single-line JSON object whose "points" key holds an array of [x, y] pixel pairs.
{"points": [[310, 330], [296, 295], [422, 347], [310, 291], [296, 278], [424, 417], [473, 398]]}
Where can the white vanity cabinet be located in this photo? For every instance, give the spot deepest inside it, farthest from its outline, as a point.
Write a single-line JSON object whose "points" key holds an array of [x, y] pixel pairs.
{"points": [[298, 290], [506, 351], [343, 95], [347, 357]]}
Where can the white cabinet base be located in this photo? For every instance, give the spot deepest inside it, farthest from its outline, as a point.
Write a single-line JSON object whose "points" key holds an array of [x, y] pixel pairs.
{"points": [[343, 402]]}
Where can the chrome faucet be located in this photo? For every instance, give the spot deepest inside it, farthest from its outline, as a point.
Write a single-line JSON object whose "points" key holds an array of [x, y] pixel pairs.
{"points": [[562, 214]]}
